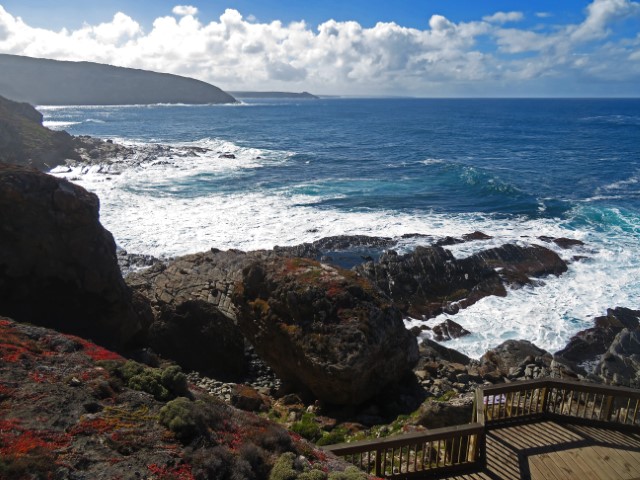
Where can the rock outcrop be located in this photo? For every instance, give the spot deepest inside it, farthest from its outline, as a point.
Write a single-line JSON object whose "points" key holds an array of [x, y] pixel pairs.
{"points": [[24, 141], [588, 345], [58, 265], [620, 365], [430, 280], [323, 329]]}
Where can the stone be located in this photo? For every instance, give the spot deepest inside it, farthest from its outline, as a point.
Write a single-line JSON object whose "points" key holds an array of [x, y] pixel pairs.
{"points": [[248, 398], [508, 357], [58, 265], [435, 414], [448, 330], [323, 329]]}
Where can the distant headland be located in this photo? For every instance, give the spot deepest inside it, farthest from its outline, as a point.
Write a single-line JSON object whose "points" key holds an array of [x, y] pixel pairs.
{"points": [[50, 82], [302, 95]]}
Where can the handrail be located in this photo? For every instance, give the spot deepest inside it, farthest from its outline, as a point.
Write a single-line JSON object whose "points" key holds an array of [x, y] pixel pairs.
{"points": [[436, 434], [404, 456], [463, 446]]}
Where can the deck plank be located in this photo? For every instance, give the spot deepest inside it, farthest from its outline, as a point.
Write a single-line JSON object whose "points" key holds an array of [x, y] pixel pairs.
{"points": [[550, 451]]}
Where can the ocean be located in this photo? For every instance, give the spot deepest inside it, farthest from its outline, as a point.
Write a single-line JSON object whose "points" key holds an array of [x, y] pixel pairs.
{"points": [[299, 170]]}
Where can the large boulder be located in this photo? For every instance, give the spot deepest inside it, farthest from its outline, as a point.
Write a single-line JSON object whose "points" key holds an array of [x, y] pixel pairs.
{"points": [[430, 280], [194, 318], [323, 329], [58, 264]]}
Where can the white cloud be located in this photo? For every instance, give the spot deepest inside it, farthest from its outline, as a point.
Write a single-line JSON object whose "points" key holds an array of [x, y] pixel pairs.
{"points": [[504, 17], [544, 14], [447, 58], [184, 10]]}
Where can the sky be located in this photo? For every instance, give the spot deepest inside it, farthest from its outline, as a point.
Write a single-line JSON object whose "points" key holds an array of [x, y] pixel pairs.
{"points": [[428, 48]]}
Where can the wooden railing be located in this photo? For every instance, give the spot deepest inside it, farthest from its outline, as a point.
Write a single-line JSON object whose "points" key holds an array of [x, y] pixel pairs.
{"points": [[446, 450], [562, 400], [414, 454]]}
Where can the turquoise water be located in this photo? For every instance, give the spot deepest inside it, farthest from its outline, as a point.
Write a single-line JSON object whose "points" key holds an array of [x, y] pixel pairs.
{"points": [[515, 169]]}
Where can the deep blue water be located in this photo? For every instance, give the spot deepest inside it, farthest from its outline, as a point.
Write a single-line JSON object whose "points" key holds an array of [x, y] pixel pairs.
{"points": [[516, 169], [530, 157]]}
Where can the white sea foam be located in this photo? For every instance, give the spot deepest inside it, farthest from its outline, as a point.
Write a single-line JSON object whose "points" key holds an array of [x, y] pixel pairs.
{"points": [[149, 209], [58, 125]]}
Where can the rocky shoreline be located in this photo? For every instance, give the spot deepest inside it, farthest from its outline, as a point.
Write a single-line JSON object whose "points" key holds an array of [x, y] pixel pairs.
{"points": [[310, 336]]}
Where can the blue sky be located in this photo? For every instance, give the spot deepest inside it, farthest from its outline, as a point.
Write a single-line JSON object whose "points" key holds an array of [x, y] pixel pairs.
{"points": [[409, 13], [408, 47]]}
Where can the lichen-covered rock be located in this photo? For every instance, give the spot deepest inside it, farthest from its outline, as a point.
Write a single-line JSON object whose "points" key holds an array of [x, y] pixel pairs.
{"points": [[323, 329], [58, 264]]}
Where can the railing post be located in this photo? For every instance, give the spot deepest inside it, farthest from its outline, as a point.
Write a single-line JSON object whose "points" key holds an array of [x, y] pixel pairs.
{"points": [[378, 463], [546, 391], [609, 408]]}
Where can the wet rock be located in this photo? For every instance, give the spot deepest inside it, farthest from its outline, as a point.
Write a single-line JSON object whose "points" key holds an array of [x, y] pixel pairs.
{"points": [[587, 345], [563, 242], [448, 330], [430, 280]]}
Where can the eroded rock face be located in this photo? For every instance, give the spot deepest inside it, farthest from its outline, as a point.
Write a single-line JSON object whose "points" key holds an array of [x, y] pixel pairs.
{"points": [[194, 317], [323, 329], [430, 280], [58, 265]]}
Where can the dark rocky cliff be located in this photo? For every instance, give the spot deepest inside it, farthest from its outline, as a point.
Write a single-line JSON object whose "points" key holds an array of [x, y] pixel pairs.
{"points": [[50, 82], [24, 141]]}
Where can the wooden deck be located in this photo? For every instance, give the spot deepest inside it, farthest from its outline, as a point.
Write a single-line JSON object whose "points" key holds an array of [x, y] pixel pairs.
{"points": [[547, 450]]}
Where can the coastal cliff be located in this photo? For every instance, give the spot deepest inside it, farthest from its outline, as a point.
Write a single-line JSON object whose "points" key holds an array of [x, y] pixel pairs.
{"points": [[23, 139], [51, 82]]}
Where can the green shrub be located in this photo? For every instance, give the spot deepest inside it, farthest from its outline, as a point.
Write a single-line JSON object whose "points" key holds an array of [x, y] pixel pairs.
{"points": [[351, 473], [307, 427], [337, 435], [149, 381], [283, 468], [180, 416], [162, 384], [174, 380], [313, 475]]}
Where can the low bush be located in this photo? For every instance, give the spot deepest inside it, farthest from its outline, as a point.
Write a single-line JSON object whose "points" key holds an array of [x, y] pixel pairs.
{"points": [[307, 427]]}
